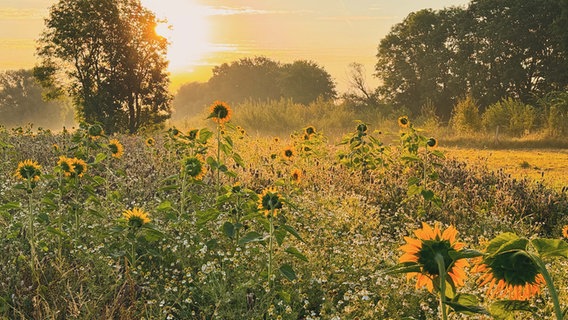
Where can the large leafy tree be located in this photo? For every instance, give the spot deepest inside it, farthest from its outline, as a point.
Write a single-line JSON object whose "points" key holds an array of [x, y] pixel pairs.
{"points": [[493, 49], [416, 61], [305, 81], [107, 56]]}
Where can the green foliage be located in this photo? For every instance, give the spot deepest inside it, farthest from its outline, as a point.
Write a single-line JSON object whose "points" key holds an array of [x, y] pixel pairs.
{"points": [[465, 116], [108, 58], [513, 116], [555, 105]]}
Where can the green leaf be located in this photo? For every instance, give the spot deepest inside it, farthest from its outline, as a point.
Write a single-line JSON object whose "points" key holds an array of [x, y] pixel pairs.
{"points": [[292, 231], [164, 206], [551, 247], [438, 154], [405, 267], [280, 235], [427, 194], [410, 158], [413, 190], [296, 253], [251, 237], [151, 234], [467, 304], [465, 254], [288, 272], [229, 229], [413, 181], [100, 157], [505, 242], [205, 216], [504, 309], [238, 159], [57, 232], [287, 297], [10, 206]]}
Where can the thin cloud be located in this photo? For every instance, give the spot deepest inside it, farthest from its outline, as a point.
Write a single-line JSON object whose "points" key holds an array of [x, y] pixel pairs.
{"points": [[357, 18], [19, 14], [229, 11]]}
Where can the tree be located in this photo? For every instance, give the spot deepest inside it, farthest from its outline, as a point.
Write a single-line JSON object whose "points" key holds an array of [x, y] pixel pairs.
{"points": [[246, 78], [416, 61], [359, 93], [305, 82], [112, 61], [21, 102]]}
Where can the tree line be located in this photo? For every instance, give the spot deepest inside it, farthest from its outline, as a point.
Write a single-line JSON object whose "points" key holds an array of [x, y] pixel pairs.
{"points": [[107, 58], [491, 50]]}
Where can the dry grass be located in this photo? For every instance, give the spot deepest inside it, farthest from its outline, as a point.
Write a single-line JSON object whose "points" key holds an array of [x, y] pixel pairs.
{"points": [[542, 165]]}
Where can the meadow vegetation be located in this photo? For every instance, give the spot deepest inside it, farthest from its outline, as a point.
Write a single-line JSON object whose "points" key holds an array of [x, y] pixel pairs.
{"points": [[215, 222]]}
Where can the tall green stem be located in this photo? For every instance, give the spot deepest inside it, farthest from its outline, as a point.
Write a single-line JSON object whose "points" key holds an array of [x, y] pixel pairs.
{"points": [[31, 232], [551, 288], [442, 275], [270, 244]]}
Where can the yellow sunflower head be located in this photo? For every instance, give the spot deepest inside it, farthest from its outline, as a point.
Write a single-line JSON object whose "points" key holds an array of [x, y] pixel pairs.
{"points": [[310, 130], [136, 217], [79, 167], [432, 143], [116, 148], [510, 272], [28, 170], [269, 201], [361, 128], [220, 112], [403, 122], [150, 142], [193, 134], [423, 250], [288, 153], [296, 175], [565, 232], [66, 164], [194, 167]]}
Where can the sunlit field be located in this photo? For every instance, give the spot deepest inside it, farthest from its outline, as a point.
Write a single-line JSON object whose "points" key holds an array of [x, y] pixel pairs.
{"points": [[213, 223]]}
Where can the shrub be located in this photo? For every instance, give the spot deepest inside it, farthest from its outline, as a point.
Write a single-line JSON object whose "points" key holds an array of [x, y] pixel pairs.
{"points": [[513, 116], [465, 116], [555, 107]]}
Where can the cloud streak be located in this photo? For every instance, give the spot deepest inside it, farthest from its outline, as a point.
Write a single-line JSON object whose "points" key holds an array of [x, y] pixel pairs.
{"points": [[20, 14]]}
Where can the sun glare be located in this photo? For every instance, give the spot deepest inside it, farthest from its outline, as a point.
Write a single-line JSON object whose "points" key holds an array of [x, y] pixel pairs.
{"points": [[187, 29]]}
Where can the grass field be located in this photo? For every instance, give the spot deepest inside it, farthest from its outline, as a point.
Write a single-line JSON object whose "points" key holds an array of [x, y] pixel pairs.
{"points": [[549, 166], [211, 223]]}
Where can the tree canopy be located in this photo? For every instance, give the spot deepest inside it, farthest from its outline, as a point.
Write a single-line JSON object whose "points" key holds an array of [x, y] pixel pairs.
{"points": [[257, 78], [492, 49], [112, 61]]}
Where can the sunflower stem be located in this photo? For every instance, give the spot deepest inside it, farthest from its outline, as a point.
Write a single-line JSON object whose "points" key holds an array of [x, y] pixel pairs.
{"points": [[551, 288], [270, 245], [442, 275]]}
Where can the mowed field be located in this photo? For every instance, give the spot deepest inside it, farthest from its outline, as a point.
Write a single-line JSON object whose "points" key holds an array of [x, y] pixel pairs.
{"points": [[549, 166]]}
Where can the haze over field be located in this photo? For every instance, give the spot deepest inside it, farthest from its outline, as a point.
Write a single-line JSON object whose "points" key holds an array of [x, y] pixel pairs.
{"points": [[205, 33]]}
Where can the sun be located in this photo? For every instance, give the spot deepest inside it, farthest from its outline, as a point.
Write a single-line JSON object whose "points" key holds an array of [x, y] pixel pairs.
{"points": [[186, 27]]}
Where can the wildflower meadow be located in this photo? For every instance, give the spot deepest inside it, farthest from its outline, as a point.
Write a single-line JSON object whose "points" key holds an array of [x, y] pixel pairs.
{"points": [[214, 223]]}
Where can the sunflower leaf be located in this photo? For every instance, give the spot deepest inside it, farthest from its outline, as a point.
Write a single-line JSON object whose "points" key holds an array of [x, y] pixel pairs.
{"points": [[464, 254], [296, 253], [288, 272], [504, 309], [293, 232], [466, 304], [505, 242], [405, 267], [551, 247], [251, 237]]}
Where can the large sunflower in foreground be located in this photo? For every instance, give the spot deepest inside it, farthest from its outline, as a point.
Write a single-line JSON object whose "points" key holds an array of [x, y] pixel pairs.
{"points": [[511, 274], [194, 167], [422, 252], [220, 112]]}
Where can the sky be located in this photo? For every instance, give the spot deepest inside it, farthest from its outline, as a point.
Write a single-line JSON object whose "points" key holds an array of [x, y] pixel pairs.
{"points": [[206, 33]]}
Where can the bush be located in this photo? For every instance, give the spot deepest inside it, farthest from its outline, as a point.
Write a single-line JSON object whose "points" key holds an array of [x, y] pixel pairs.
{"points": [[465, 116], [555, 107], [513, 116]]}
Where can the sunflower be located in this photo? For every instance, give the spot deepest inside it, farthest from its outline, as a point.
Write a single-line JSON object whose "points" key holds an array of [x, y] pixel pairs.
{"points": [[150, 142], [403, 122], [116, 148], [79, 166], [296, 175], [510, 274], [432, 143], [288, 153], [310, 130], [193, 134], [220, 112], [66, 164], [565, 232], [361, 128], [136, 217], [422, 252], [269, 201], [28, 170], [194, 167], [276, 139]]}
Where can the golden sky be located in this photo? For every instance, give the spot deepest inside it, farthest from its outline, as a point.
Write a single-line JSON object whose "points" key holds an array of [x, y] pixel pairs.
{"points": [[205, 33]]}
